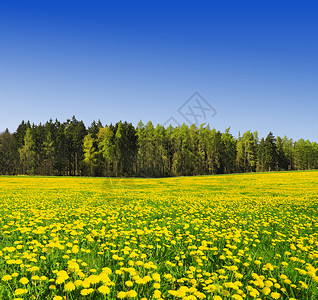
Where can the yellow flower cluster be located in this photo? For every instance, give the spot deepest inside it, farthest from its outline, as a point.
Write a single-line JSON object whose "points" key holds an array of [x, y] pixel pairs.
{"points": [[247, 236]]}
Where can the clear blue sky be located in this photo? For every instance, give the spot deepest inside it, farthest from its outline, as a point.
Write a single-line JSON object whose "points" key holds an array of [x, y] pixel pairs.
{"points": [[255, 63]]}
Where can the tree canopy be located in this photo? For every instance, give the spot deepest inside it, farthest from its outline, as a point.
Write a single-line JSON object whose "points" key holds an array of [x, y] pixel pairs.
{"points": [[69, 148]]}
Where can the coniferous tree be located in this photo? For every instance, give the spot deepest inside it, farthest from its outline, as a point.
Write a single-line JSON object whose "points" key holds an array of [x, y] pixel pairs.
{"points": [[261, 156], [177, 150], [161, 153], [90, 153], [7, 159], [27, 154], [288, 149], [61, 149], [122, 150], [187, 159], [270, 152], [48, 155], [281, 161], [194, 149], [148, 159], [74, 132], [229, 152], [214, 152], [106, 146]]}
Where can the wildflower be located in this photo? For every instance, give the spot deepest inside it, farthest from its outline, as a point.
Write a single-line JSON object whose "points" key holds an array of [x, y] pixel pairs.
{"points": [[107, 270], [121, 295], [24, 280], [104, 289], [266, 290], [85, 292], [70, 286], [156, 285], [129, 283], [275, 295], [131, 294], [6, 278], [156, 277], [19, 292]]}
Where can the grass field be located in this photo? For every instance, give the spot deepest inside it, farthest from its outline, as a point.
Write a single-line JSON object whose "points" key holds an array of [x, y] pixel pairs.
{"points": [[246, 236]]}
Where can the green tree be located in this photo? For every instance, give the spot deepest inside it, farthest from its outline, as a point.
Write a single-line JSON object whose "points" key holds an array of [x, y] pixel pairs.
{"points": [[146, 154], [282, 160], [61, 146], [27, 154], [246, 159], [288, 149], [214, 151], [270, 152], [161, 164], [229, 152], [125, 149], [106, 147], [90, 153], [75, 131], [7, 159], [48, 150]]}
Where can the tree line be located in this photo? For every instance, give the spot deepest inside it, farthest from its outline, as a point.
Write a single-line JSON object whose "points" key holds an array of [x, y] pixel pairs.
{"points": [[69, 148]]}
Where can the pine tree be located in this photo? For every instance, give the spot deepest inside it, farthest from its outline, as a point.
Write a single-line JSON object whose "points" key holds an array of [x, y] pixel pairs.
{"points": [[106, 148], [270, 152], [27, 154], [7, 159], [48, 150], [90, 154], [229, 152]]}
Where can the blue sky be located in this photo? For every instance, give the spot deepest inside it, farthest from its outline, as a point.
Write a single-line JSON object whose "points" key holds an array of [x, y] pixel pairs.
{"points": [[254, 62]]}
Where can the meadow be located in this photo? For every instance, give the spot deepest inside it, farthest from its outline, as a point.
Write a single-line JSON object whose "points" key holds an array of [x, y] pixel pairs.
{"points": [[241, 236]]}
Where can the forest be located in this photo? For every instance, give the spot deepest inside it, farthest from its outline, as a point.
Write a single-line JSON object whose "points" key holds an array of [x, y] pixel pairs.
{"points": [[122, 150]]}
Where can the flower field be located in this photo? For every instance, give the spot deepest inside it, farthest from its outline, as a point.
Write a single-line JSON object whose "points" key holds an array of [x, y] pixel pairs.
{"points": [[246, 236]]}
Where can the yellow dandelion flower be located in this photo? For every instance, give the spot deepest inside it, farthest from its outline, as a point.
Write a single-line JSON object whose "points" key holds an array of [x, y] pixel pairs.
{"points": [[6, 278], [121, 295], [156, 285], [24, 280], [70, 286], [131, 294], [19, 292], [104, 289], [275, 295], [129, 283], [157, 294]]}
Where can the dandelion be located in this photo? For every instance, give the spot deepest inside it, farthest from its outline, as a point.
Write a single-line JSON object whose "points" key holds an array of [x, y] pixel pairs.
{"points": [[24, 280], [275, 295], [19, 292], [104, 289], [129, 283], [121, 295], [6, 278], [70, 286], [157, 294]]}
